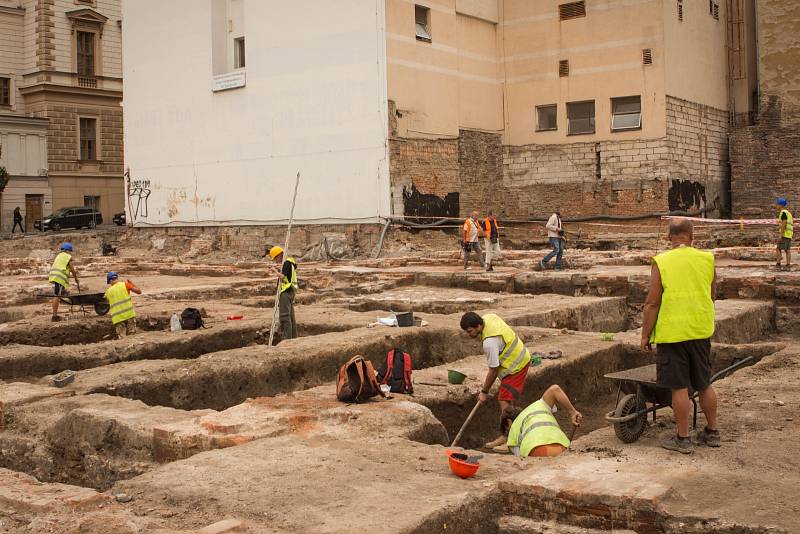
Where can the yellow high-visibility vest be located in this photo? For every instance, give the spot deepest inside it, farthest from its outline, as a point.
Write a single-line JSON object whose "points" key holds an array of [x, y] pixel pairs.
{"points": [[59, 272], [121, 305], [687, 308], [515, 355], [534, 427], [789, 230], [287, 283]]}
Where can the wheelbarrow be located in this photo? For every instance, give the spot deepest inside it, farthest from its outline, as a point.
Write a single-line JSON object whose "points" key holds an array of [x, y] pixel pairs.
{"points": [[638, 394], [83, 300]]}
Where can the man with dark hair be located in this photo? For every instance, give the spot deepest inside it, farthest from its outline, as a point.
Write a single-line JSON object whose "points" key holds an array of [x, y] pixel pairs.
{"points": [[679, 319], [18, 221], [507, 359], [492, 239], [555, 233]]}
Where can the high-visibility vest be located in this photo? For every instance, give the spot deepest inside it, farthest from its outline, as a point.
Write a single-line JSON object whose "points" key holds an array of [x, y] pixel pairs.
{"points": [[468, 224], [59, 272], [789, 231], [687, 309], [515, 355], [290, 283], [488, 223], [534, 427], [120, 303]]}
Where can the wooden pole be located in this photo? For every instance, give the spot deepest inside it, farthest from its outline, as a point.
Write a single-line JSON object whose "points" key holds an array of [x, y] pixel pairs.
{"points": [[285, 255], [464, 426]]}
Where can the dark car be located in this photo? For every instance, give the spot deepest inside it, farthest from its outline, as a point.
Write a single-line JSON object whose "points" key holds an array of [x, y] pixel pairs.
{"points": [[70, 218], [119, 218]]}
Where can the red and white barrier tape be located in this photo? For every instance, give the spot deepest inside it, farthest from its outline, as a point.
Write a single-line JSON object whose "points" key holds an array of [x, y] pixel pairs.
{"points": [[740, 222]]}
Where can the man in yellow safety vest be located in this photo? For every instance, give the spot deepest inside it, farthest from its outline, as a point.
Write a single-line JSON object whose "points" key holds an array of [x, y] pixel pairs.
{"points": [[534, 431], [287, 278], [118, 295], [62, 267], [679, 319], [786, 229], [506, 356]]}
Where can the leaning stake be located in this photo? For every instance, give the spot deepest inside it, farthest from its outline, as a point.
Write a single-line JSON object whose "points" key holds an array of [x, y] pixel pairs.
{"points": [[285, 255], [464, 426]]}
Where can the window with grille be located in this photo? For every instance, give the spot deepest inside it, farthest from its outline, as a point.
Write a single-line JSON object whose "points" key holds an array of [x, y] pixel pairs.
{"points": [[546, 118], [680, 10], [626, 113], [572, 10], [563, 68], [88, 133], [647, 56], [85, 44], [713, 8], [580, 117], [422, 19], [5, 91], [238, 53]]}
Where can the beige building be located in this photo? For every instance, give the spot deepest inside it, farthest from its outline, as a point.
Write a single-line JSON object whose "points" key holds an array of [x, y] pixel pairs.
{"points": [[60, 113]]}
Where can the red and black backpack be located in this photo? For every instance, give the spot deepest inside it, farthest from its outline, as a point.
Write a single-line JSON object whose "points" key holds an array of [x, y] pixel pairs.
{"points": [[397, 372]]}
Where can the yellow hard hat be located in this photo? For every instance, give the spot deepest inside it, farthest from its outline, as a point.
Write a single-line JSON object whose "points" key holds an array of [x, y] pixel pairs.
{"points": [[274, 252]]}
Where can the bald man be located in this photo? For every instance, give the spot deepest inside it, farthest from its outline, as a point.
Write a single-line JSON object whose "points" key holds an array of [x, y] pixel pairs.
{"points": [[679, 319]]}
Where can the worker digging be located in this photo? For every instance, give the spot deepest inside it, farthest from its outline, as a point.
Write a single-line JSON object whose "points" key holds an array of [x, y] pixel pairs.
{"points": [[118, 295]]}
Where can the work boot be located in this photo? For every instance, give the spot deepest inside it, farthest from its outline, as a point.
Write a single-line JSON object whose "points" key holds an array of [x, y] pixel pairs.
{"points": [[56, 318], [708, 437], [496, 443], [501, 449], [542, 265], [678, 444], [489, 269]]}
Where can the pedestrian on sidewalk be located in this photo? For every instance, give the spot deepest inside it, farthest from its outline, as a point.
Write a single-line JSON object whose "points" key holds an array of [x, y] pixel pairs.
{"points": [[555, 233], [507, 358], [18, 221], [679, 319], [492, 239], [472, 232], [118, 295], [786, 229], [287, 278], [62, 267]]}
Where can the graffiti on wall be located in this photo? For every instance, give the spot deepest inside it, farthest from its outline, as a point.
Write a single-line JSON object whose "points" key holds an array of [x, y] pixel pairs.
{"points": [[686, 195], [138, 195], [416, 204]]}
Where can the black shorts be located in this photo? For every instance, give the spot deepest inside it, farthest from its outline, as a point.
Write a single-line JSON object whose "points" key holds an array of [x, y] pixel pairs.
{"points": [[785, 243], [59, 290], [685, 364]]}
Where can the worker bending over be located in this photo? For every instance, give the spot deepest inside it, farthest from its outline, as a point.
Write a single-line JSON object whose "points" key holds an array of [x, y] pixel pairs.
{"points": [[59, 276], [118, 295], [786, 230], [534, 431], [506, 356], [287, 278]]}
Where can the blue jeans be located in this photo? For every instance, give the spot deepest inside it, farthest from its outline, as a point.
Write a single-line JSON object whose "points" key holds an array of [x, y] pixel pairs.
{"points": [[558, 250]]}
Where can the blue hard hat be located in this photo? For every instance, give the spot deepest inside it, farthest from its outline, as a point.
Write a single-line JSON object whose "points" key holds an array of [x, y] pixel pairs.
{"points": [[112, 275], [66, 246], [781, 202]]}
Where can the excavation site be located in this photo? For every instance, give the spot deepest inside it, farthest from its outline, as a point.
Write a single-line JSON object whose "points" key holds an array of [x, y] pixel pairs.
{"points": [[214, 430]]}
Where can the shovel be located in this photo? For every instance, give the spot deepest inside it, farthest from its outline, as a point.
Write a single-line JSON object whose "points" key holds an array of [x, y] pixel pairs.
{"points": [[464, 426]]}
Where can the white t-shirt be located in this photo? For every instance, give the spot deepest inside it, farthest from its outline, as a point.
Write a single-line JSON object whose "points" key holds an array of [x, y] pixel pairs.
{"points": [[553, 226], [492, 347], [472, 235]]}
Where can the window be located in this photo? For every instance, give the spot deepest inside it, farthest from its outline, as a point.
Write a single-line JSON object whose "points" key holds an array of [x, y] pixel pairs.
{"points": [[713, 8], [563, 68], [238, 53], [85, 42], [546, 118], [422, 19], [647, 56], [5, 91], [626, 113], [88, 135], [580, 117], [572, 10]]}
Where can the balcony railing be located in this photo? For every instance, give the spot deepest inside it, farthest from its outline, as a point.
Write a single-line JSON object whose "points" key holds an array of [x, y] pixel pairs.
{"points": [[89, 83]]}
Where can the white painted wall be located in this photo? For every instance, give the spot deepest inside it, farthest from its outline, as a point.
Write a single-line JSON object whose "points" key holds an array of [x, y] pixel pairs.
{"points": [[314, 102]]}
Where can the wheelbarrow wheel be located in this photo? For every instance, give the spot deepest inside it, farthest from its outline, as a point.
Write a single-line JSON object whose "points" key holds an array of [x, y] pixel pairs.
{"points": [[630, 431], [101, 307]]}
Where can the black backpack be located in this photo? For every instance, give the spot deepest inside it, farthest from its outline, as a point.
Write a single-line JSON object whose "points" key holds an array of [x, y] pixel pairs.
{"points": [[396, 372], [191, 319]]}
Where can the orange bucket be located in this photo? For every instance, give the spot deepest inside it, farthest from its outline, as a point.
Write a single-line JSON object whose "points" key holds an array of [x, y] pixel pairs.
{"points": [[459, 466]]}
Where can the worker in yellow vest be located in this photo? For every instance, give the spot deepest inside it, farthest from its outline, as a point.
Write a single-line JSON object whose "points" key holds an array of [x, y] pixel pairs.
{"points": [[534, 431], [118, 295], [287, 278], [507, 359], [786, 229], [679, 319], [62, 267]]}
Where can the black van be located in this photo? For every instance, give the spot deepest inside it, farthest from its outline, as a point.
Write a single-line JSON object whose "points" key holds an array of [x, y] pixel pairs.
{"points": [[70, 218]]}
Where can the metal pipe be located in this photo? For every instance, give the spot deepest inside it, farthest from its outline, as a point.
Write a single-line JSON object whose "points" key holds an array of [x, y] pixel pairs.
{"points": [[285, 255]]}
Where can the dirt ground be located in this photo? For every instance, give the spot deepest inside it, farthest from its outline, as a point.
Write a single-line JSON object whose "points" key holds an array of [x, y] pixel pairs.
{"points": [[213, 430]]}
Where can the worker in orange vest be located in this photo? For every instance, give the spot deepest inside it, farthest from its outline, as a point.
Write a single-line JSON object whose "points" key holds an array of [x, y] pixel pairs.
{"points": [[492, 239], [472, 232]]}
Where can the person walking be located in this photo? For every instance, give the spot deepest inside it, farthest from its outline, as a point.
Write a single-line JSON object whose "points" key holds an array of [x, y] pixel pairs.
{"points": [[679, 319], [287, 278], [18, 221], [59, 276], [507, 358], [555, 233], [786, 228], [118, 295], [472, 232], [492, 239]]}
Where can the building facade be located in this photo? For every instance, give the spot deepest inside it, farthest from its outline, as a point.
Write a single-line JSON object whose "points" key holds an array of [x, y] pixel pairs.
{"points": [[431, 108], [61, 126]]}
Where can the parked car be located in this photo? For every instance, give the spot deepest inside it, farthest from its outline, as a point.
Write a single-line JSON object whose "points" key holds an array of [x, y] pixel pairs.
{"points": [[70, 218], [119, 218]]}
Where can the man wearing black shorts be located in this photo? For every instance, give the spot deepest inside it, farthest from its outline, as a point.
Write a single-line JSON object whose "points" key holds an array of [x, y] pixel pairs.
{"points": [[679, 319]]}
